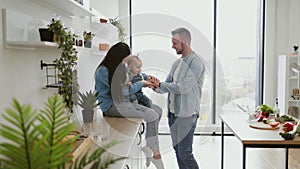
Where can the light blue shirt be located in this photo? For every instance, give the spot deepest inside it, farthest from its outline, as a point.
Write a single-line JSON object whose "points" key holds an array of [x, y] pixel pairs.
{"points": [[188, 86], [103, 88]]}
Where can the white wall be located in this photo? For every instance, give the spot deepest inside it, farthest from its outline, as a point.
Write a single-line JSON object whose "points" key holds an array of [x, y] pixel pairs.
{"points": [[270, 57], [108, 7], [282, 32], [20, 72], [21, 76]]}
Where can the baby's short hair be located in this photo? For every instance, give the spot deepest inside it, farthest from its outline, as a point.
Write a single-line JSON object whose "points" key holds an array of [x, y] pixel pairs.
{"points": [[133, 59]]}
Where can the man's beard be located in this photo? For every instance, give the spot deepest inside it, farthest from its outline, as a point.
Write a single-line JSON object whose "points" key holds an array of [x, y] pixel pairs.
{"points": [[181, 50]]}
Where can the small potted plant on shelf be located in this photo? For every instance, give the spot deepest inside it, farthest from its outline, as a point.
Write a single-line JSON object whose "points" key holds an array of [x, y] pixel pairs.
{"points": [[295, 52], [46, 35], [88, 102], [117, 23], [88, 37]]}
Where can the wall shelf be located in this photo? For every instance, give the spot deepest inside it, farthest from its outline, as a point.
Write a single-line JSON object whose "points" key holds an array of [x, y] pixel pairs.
{"points": [[107, 27], [294, 78], [288, 81], [294, 100], [32, 45], [29, 45], [67, 7]]}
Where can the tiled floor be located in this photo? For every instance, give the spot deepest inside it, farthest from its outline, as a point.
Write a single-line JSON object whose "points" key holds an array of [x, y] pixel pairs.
{"points": [[207, 153]]}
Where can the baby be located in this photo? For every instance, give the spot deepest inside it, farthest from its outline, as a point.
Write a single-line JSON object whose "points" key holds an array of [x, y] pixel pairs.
{"points": [[134, 71]]}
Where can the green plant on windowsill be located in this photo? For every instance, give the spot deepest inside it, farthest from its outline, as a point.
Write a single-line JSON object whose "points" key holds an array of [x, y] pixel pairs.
{"points": [[117, 23], [37, 139], [67, 62]]}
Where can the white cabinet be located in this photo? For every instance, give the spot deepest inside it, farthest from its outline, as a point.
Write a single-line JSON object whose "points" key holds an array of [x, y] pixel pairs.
{"points": [[136, 159], [129, 133], [289, 84]]}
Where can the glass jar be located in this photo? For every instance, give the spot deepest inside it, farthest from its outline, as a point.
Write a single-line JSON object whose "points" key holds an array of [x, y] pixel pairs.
{"points": [[272, 118]]}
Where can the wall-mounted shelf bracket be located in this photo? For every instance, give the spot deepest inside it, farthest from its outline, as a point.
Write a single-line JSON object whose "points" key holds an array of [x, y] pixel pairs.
{"points": [[51, 75]]}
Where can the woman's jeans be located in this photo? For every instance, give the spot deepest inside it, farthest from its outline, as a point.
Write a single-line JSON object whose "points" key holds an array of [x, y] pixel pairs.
{"points": [[182, 132], [150, 115]]}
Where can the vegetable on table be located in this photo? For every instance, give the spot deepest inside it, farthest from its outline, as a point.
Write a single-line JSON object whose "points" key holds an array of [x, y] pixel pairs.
{"points": [[289, 130], [288, 135], [274, 124], [285, 118], [266, 110], [288, 126]]}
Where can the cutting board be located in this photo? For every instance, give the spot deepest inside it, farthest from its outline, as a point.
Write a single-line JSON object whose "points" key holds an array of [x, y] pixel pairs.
{"points": [[263, 126]]}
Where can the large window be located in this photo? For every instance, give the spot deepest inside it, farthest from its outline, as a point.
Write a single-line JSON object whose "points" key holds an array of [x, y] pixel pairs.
{"points": [[231, 77], [237, 48]]}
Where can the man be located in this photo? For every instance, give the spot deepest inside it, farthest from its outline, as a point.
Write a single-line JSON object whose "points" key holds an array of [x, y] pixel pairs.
{"points": [[184, 85]]}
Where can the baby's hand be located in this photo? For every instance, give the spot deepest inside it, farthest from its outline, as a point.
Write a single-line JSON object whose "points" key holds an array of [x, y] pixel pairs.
{"points": [[146, 83], [152, 79]]}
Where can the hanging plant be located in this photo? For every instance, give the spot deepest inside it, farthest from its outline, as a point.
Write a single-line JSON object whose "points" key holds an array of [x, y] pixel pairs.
{"points": [[116, 22], [67, 63]]}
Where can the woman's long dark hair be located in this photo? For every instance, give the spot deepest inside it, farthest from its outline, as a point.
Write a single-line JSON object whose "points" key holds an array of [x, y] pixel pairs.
{"points": [[116, 70]]}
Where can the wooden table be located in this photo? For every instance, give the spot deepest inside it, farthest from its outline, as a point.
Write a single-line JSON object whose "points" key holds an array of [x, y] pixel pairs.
{"points": [[254, 138]]}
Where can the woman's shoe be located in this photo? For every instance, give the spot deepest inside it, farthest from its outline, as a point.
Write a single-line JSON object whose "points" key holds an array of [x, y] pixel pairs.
{"points": [[148, 154], [157, 162]]}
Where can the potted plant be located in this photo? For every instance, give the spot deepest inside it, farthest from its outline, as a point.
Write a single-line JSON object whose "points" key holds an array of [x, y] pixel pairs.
{"points": [[116, 22], [88, 37], [46, 35], [88, 102], [38, 139], [67, 62]]}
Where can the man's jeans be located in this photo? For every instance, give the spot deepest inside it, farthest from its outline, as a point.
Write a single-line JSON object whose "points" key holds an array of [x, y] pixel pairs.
{"points": [[182, 132]]}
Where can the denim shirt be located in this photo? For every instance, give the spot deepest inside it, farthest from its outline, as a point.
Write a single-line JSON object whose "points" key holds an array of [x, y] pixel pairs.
{"points": [[103, 88], [188, 88], [136, 78]]}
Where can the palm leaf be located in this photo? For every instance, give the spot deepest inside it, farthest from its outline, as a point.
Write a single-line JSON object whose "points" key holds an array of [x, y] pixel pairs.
{"points": [[19, 130], [55, 127], [95, 159], [36, 140]]}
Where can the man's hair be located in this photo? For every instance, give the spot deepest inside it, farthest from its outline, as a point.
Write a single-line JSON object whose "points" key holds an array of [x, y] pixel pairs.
{"points": [[183, 33], [132, 59]]}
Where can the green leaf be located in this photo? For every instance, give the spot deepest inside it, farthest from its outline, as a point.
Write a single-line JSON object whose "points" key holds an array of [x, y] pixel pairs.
{"points": [[18, 133], [67, 62], [95, 159], [37, 140]]}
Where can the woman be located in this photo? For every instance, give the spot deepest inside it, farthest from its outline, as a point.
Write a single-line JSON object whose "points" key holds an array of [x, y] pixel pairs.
{"points": [[110, 83]]}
